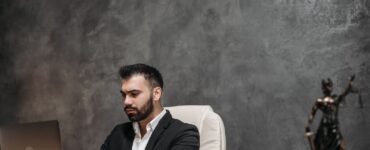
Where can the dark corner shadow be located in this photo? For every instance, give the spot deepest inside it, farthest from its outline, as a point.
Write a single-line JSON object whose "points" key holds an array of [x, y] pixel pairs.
{"points": [[9, 86]]}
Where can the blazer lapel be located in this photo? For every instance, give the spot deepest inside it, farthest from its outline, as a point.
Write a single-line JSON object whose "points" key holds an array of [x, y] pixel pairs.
{"points": [[161, 127]]}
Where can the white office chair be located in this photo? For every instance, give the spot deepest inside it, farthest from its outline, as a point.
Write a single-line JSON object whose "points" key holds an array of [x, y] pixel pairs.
{"points": [[210, 125]]}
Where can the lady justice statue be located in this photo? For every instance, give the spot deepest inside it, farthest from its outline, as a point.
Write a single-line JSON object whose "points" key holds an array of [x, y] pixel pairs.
{"points": [[328, 136]]}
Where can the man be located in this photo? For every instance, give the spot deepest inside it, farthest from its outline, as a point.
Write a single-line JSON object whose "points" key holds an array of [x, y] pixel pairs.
{"points": [[151, 127]]}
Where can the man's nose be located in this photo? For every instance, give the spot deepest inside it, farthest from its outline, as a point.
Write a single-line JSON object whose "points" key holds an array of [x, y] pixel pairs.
{"points": [[127, 100]]}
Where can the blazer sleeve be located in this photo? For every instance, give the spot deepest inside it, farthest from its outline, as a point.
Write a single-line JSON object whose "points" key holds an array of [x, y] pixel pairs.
{"points": [[105, 145], [188, 139]]}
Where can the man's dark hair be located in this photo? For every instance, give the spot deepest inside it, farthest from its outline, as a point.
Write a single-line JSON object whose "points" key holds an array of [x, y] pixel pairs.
{"points": [[150, 73]]}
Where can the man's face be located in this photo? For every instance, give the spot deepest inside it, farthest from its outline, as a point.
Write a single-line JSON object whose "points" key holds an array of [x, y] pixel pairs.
{"points": [[137, 97]]}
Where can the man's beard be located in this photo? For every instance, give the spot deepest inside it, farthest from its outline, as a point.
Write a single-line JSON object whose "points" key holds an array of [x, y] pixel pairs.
{"points": [[140, 113]]}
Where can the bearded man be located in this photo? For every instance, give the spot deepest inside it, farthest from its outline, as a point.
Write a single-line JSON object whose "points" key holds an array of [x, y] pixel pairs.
{"points": [[151, 126]]}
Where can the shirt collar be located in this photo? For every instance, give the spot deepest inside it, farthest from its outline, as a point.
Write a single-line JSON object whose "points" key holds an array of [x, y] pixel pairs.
{"points": [[151, 125]]}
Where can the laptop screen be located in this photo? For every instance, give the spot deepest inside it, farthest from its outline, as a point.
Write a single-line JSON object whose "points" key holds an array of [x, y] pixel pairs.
{"points": [[30, 136]]}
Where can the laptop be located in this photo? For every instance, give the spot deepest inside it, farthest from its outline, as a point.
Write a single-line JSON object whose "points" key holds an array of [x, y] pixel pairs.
{"points": [[30, 136]]}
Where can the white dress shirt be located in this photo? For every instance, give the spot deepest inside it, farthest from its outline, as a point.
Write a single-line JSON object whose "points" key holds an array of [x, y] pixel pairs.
{"points": [[141, 142]]}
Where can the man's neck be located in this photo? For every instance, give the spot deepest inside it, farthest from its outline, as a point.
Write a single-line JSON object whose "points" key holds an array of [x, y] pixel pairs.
{"points": [[144, 122]]}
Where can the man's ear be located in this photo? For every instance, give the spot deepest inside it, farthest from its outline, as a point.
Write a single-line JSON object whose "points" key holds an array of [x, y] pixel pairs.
{"points": [[157, 93]]}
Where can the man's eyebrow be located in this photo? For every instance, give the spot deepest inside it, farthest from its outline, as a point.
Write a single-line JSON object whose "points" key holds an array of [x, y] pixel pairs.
{"points": [[130, 91], [134, 91]]}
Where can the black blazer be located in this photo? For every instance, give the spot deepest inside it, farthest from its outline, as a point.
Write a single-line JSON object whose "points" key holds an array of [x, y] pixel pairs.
{"points": [[170, 134]]}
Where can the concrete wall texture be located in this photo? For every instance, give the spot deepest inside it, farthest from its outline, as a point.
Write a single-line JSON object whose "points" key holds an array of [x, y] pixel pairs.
{"points": [[258, 63]]}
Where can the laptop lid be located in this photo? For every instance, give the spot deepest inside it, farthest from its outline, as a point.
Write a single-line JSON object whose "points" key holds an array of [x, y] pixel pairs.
{"points": [[30, 136]]}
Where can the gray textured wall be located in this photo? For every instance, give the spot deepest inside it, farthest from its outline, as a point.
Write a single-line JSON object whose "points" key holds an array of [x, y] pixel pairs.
{"points": [[257, 63]]}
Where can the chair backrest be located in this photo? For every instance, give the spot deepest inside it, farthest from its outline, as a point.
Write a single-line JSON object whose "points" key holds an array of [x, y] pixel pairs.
{"points": [[210, 125]]}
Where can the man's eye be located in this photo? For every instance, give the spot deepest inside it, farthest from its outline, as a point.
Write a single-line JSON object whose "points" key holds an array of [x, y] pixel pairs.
{"points": [[134, 94]]}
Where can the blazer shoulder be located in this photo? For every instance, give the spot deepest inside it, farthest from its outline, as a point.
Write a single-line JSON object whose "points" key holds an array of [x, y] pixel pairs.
{"points": [[186, 135], [123, 125], [122, 128], [182, 125], [173, 134], [183, 129]]}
